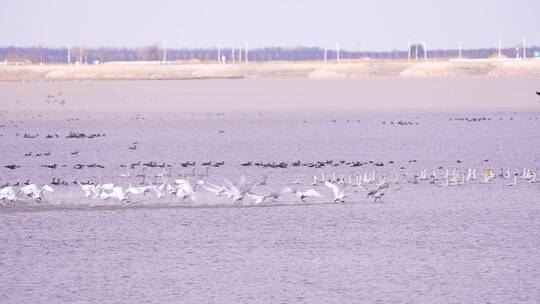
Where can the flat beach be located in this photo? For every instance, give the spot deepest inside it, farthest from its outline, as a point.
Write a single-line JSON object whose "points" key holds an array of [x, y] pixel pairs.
{"points": [[316, 70]]}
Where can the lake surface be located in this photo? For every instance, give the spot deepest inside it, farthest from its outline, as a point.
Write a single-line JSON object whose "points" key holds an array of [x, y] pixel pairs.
{"points": [[474, 243]]}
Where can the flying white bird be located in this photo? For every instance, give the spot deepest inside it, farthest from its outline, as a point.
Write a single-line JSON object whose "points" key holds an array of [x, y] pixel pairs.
{"points": [[116, 192], [136, 190], [259, 199], [7, 193], [339, 192], [33, 191], [302, 195], [185, 190], [89, 190], [217, 190], [238, 193]]}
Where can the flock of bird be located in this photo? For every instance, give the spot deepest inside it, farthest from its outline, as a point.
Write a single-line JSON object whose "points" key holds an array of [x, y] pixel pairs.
{"points": [[342, 187]]}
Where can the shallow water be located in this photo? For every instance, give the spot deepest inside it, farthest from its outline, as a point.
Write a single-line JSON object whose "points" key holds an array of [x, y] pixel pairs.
{"points": [[424, 250], [470, 243]]}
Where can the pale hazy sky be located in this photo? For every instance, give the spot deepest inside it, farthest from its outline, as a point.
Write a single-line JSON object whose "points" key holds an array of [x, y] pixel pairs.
{"points": [[364, 25]]}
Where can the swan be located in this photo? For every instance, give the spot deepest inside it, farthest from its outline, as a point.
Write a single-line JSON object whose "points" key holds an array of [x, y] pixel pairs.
{"points": [[217, 190], [339, 193], [259, 199], [136, 190], [157, 190], [314, 182], [185, 190], [488, 175], [234, 192], [238, 193], [33, 191], [107, 187], [7, 193], [469, 174], [302, 195], [89, 190], [116, 192]]}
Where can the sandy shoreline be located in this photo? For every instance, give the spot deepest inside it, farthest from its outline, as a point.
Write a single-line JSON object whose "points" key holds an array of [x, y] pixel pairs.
{"points": [[312, 70]]}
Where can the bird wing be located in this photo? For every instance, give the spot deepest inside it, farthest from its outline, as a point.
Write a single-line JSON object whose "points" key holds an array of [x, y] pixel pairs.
{"points": [[287, 190], [232, 188], [335, 188], [211, 189], [312, 192], [258, 198], [186, 187]]}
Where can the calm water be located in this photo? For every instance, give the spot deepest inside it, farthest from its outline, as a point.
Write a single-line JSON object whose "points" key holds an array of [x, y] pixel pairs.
{"points": [[475, 243]]}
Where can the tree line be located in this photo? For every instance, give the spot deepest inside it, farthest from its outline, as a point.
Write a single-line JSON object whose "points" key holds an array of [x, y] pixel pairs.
{"points": [[49, 55]]}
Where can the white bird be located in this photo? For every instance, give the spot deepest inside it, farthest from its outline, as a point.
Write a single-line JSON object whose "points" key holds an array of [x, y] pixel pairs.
{"points": [[238, 193], [136, 190], [314, 183], [157, 190], [33, 191], [259, 199], [302, 195], [116, 192], [107, 186], [217, 190], [339, 192], [185, 190], [7, 193], [89, 190]]}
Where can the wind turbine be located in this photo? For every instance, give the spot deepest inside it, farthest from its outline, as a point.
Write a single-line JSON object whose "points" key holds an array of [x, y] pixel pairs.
{"points": [[500, 46], [325, 55], [425, 50], [240, 53], [524, 48], [337, 52], [164, 52], [409, 51], [247, 53]]}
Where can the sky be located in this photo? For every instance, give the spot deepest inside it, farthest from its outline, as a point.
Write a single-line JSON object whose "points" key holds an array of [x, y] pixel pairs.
{"points": [[377, 25]]}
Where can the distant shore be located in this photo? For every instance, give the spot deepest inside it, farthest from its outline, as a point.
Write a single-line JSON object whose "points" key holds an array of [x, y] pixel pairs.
{"points": [[313, 70]]}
